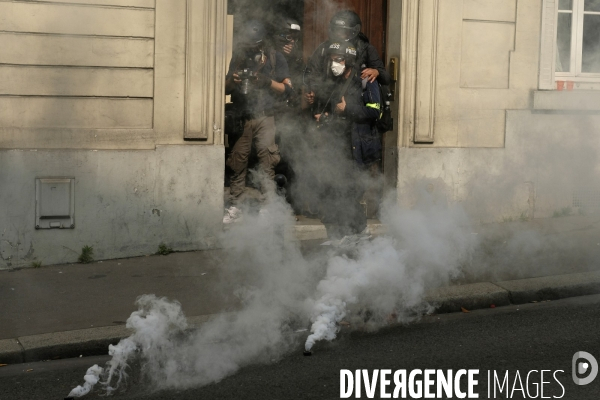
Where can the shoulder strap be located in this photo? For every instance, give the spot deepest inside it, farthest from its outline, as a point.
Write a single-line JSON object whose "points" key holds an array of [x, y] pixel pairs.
{"points": [[360, 53], [347, 83], [273, 57], [323, 59], [341, 93], [381, 99]]}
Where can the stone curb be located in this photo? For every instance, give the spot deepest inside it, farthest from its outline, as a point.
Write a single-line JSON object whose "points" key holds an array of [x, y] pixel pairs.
{"points": [[69, 344], [552, 287], [318, 232], [471, 297], [94, 341]]}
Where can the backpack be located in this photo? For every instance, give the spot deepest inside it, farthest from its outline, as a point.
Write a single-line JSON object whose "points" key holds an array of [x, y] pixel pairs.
{"points": [[386, 121]]}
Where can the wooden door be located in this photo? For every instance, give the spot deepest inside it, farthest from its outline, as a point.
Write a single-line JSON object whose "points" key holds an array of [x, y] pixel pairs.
{"points": [[318, 13]]}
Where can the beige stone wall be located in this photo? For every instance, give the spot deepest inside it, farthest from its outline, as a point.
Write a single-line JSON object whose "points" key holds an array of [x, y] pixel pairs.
{"points": [[111, 74], [488, 63], [126, 97], [479, 123], [126, 202], [464, 63]]}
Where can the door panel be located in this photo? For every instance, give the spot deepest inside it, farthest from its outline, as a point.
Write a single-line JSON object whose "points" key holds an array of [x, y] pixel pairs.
{"points": [[318, 13]]}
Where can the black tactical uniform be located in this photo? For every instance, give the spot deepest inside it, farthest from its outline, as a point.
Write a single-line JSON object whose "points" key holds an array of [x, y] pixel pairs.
{"points": [[345, 27], [348, 142]]}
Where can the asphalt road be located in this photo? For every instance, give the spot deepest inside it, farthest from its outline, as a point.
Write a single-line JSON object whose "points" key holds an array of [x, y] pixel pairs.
{"points": [[541, 336]]}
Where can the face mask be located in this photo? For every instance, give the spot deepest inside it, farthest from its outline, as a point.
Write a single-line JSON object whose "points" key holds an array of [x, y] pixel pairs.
{"points": [[337, 68], [254, 54]]}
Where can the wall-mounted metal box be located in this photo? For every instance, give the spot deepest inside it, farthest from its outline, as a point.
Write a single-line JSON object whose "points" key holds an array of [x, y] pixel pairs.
{"points": [[55, 203]]}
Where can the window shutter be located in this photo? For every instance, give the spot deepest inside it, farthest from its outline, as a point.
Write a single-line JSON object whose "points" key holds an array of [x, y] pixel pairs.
{"points": [[548, 45]]}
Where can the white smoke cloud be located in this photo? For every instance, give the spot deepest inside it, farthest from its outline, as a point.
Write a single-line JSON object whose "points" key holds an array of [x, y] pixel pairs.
{"points": [[92, 376], [382, 280], [369, 284], [385, 279]]}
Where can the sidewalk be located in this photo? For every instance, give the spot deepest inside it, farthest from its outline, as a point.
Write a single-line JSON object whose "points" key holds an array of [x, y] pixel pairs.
{"points": [[71, 310]]}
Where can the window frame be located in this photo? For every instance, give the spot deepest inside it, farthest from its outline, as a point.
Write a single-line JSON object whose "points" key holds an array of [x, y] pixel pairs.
{"points": [[548, 51]]}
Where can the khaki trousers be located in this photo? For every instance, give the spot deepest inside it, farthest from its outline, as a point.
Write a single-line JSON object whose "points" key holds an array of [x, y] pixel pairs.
{"points": [[261, 131]]}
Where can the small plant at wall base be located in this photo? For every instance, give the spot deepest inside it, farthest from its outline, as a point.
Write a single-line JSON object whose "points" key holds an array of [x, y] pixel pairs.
{"points": [[36, 264], [163, 250], [523, 217], [564, 212], [87, 255]]}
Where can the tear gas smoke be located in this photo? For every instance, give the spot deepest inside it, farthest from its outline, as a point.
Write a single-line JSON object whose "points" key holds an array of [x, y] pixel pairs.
{"points": [[385, 280], [281, 291], [271, 278], [370, 284], [92, 376]]}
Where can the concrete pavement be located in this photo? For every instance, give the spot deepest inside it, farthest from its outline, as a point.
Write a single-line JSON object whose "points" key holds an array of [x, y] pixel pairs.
{"points": [[65, 311]]}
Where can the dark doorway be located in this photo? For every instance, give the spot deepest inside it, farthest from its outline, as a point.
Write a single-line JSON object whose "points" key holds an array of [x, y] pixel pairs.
{"points": [[373, 14], [314, 17], [265, 10], [318, 13]]}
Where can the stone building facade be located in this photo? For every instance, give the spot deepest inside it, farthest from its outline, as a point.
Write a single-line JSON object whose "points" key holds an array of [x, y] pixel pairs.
{"points": [[111, 118]]}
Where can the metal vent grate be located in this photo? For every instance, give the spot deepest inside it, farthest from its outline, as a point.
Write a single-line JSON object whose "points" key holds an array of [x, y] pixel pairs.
{"points": [[586, 198], [54, 203]]}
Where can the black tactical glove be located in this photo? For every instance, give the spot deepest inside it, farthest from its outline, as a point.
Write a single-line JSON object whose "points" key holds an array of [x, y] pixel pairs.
{"points": [[262, 81]]}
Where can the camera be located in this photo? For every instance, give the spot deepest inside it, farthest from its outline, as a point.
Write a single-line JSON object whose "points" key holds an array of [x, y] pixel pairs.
{"points": [[246, 75], [324, 120]]}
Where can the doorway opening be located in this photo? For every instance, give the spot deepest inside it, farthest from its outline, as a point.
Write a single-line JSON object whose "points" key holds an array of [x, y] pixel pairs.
{"points": [[313, 16]]}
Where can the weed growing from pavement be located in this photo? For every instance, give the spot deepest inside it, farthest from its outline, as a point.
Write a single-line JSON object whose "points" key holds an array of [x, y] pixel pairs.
{"points": [[36, 264], [87, 255], [163, 250]]}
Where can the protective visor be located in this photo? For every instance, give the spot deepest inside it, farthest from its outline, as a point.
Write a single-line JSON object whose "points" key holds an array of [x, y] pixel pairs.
{"points": [[343, 33], [290, 37]]}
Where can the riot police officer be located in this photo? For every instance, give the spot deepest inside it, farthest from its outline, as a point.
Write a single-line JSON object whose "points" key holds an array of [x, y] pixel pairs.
{"points": [[345, 27], [349, 141]]}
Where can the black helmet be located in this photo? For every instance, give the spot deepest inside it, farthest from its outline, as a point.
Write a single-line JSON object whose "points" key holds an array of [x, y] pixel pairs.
{"points": [[344, 49], [344, 26], [290, 24], [288, 30], [252, 34]]}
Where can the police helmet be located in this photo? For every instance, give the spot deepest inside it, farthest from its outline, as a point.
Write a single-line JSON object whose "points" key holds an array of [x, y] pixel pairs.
{"points": [[344, 26], [343, 49], [288, 30], [252, 34]]}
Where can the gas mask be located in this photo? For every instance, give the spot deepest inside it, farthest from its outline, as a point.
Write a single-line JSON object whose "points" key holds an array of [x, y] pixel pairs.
{"points": [[337, 68], [255, 55], [287, 38]]}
